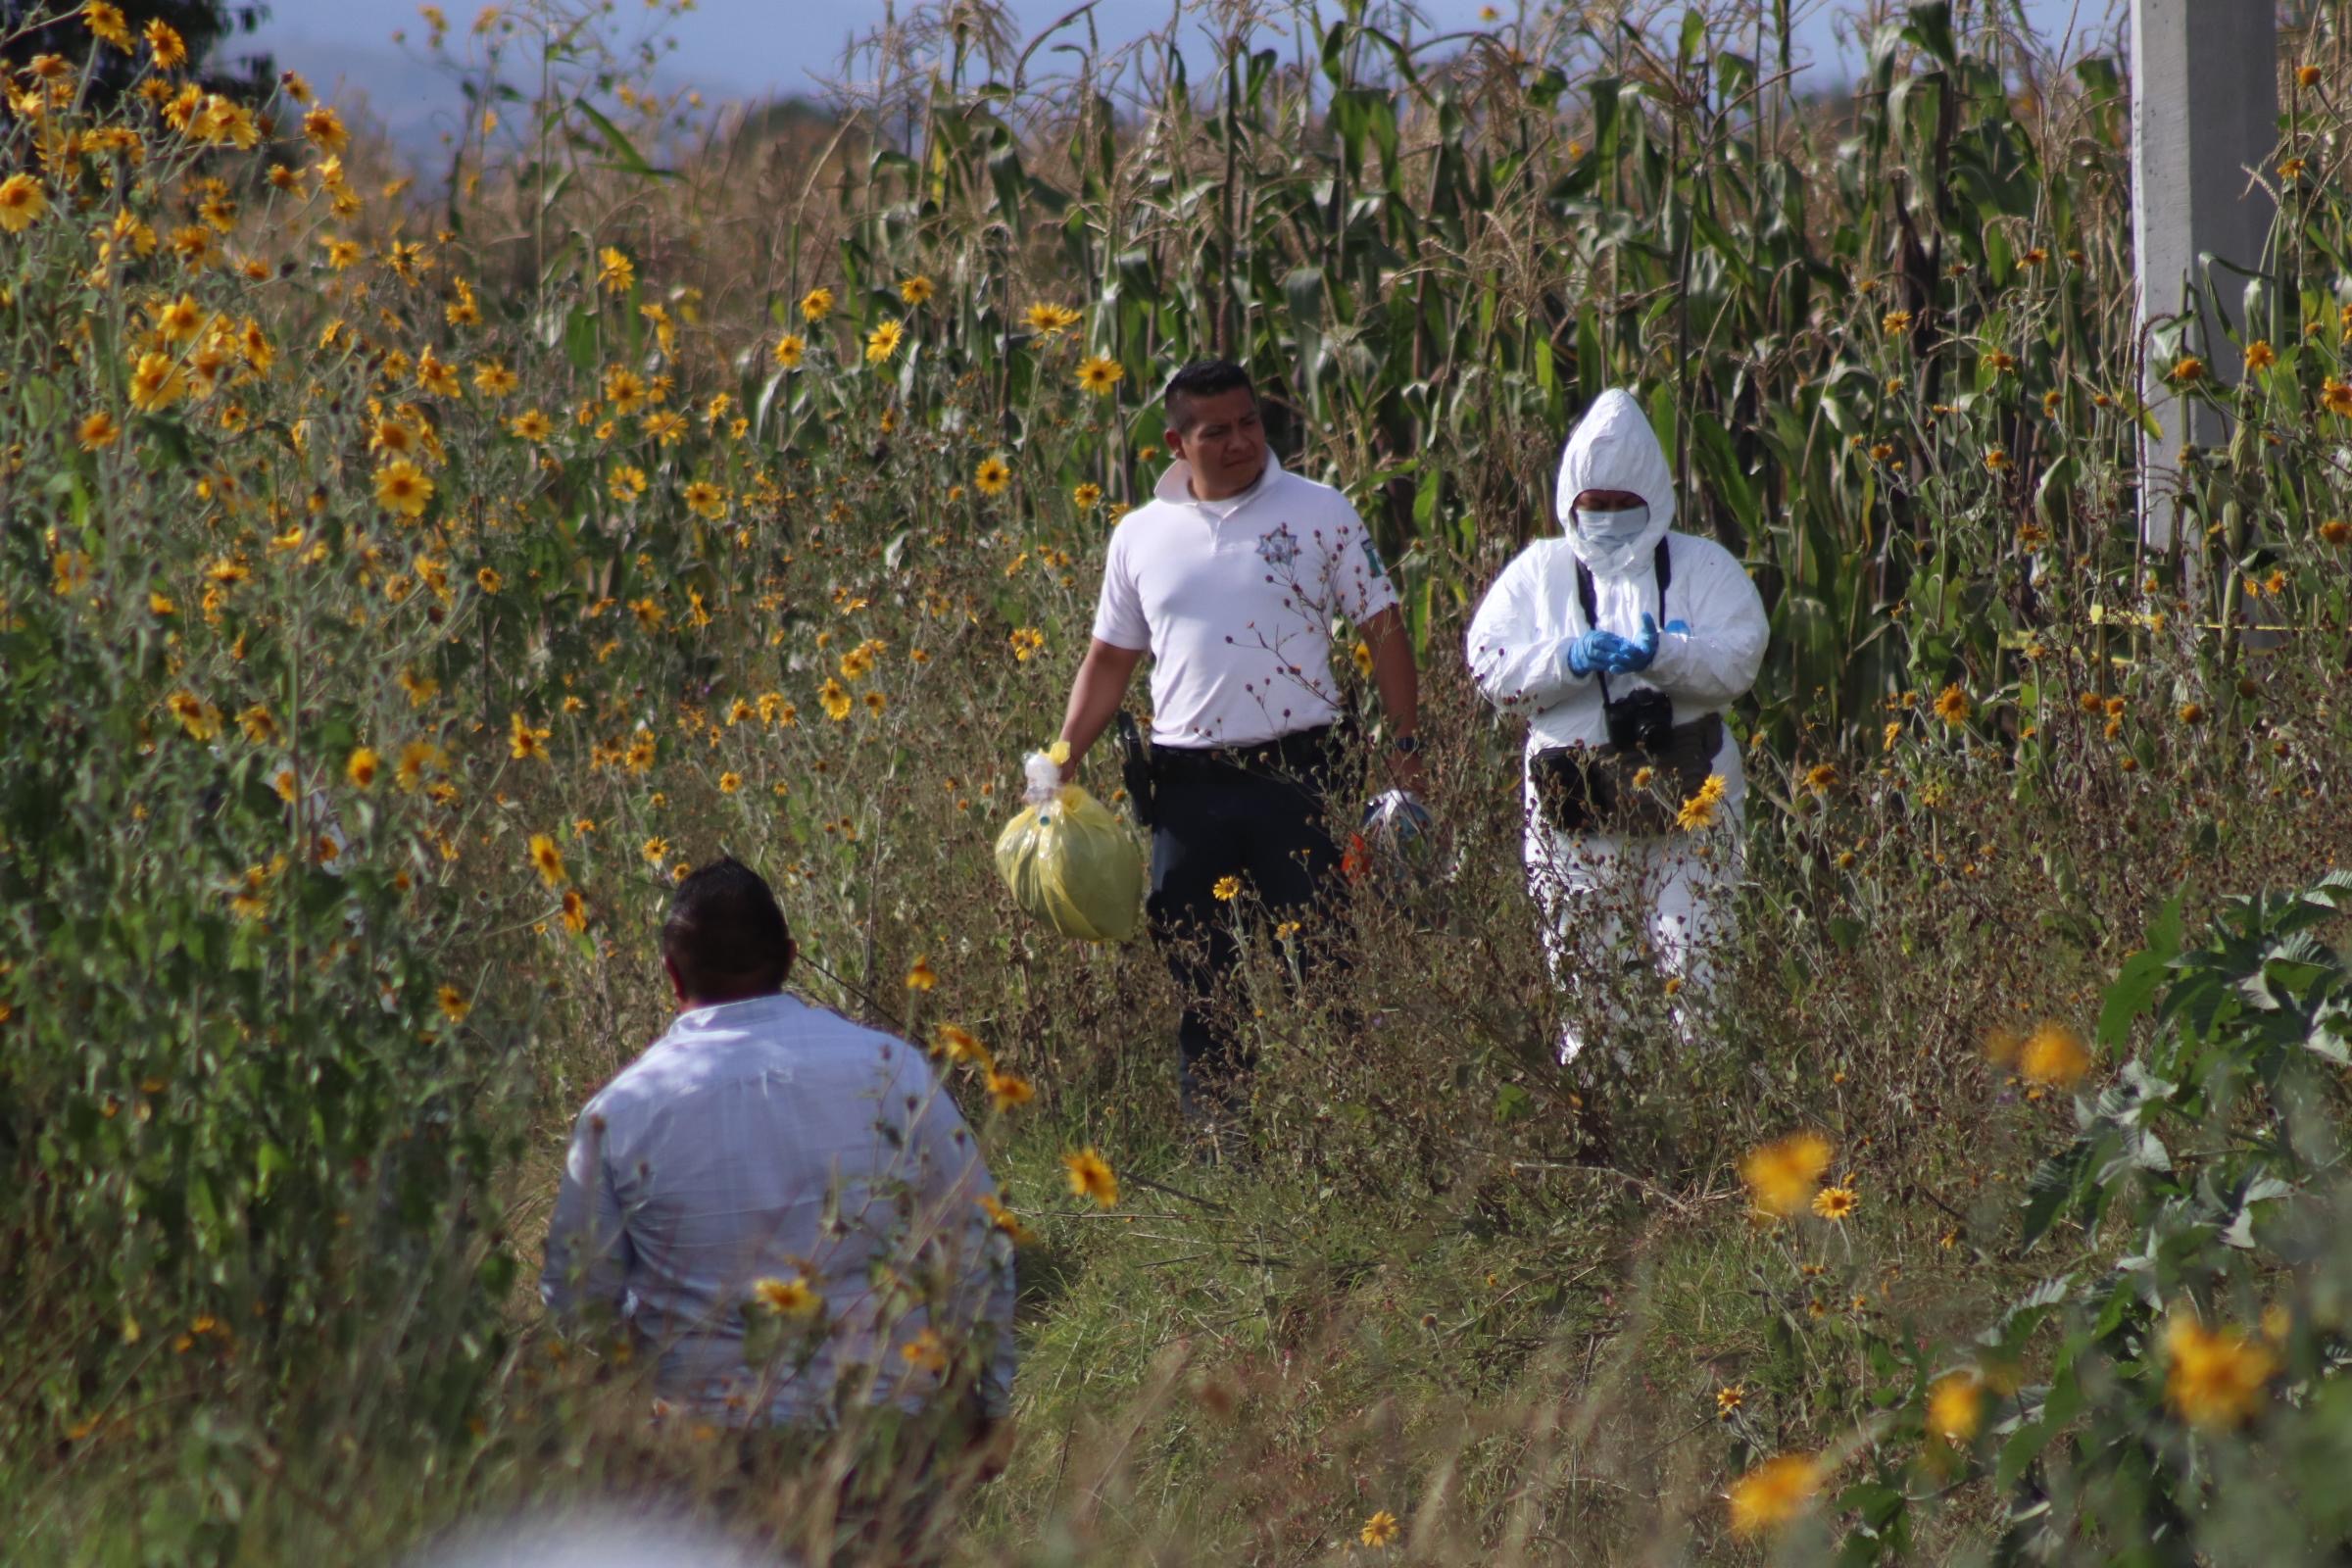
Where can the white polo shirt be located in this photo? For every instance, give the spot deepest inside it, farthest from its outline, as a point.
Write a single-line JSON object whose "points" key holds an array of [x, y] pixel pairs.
{"points": [[1235, 600]]}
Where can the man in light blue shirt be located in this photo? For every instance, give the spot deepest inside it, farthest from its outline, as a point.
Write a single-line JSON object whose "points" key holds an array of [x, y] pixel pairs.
{"points": [[783, 1206]]}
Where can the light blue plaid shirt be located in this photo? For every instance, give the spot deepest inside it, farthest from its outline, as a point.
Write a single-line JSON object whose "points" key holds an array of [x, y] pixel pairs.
{"points": [[770, 1139]]}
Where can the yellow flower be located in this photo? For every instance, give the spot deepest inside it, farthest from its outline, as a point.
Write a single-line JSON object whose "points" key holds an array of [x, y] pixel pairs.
{"points": [[531, 425], [156, 383], [958, 1044], [792, 1297], [97, 432], [1782, 1176], [106, 21], [729, 783], [1728, 1401], [1227, 889], [2337, 396], [920, 976], [915, 290], [2335, 531], [2214, 1378], [575, 910], [164, 42], [2307, 76], [22, 202], [926, 1350], [2259, 356], [1049, 319], [548, 860], [525, 742], [494, 380], [1379, 1530], [1090, 1176], [200, 718], [1087, 497], [1774, 1493], [1834, 1204], [615, 271], [453, 1003], [816, 305], [1894, 323], [1697, 813], [1952, 706], [324, 127], [789, 349], [992, 476], [882, 341], [835, 699], [655, 850], [627, 483], [1100, 374], [361, 766], [1822, 777], [2055, 1055], [1007, 1090], [489, 579], [1955, 1405], [706, 500], [1027, 643], [1006, 1221], [401, 486]]}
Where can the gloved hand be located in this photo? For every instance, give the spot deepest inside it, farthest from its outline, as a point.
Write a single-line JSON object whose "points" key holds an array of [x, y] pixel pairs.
{"points": [[1639, 651], [1680, 627], [1592, 651]]}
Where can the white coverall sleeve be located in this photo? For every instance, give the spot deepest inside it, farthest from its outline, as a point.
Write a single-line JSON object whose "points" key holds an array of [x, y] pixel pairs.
{"points": [[588, 1250], [1515, 661], [1716, 661]]}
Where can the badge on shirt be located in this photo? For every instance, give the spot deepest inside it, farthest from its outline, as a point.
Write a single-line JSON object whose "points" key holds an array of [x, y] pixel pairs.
{"points": [[1380, 567], [1279, 547]]}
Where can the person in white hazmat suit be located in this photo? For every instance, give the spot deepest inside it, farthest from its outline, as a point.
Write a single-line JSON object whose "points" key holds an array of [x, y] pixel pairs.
{"points": [[1620, 627]]}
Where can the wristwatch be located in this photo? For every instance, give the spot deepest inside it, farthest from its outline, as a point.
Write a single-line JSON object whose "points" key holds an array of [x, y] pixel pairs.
{"points": [[1406, 745]]}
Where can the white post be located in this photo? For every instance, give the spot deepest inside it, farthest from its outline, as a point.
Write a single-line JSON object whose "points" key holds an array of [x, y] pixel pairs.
{"points": [[2204, 118]]}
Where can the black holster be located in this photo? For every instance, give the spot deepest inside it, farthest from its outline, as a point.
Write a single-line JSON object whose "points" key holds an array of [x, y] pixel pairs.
{"points": [[1136, 773], [1635, 789]]}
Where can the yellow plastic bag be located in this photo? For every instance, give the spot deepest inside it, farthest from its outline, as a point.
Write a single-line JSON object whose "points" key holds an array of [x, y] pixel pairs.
{"points": [[1069, 861]]}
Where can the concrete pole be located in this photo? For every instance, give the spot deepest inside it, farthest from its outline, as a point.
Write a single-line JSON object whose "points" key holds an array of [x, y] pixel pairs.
{"points": [[2204, 118]]}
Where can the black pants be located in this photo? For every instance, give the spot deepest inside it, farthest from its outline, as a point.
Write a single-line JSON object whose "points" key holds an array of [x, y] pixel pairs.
{"points": [[1256, 816]]}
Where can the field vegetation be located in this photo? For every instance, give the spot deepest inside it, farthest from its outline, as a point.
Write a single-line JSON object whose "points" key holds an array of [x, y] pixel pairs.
{"points": [[405, 575]]}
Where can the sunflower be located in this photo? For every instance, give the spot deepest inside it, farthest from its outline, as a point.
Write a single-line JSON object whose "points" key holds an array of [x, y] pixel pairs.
{"points": [[883, 342], [615, 274], [1952, 706], [99, 430], [1774, 1493], [816, 305], [1834, 1204], [361, 766], [1087, 497], [401, 486], [548, 860], [706, 500], [1091, 1176], [531, 425], [1099, 374], [156, 383], [792, 1297], [992, 476], [836, 699], [789, 350], [915, 290]]}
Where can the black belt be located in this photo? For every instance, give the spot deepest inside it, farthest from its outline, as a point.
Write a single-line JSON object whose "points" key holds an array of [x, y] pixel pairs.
{"points": [[1294, 752]]}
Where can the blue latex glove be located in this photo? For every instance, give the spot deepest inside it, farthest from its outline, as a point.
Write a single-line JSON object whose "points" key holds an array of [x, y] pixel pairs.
{"points": [[1679, 627], [1637, 652], [1593, 650]]}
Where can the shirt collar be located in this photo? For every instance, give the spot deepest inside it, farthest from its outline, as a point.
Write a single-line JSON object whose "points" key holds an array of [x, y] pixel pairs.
{"points": [[731, 1014], [1176, 485]]}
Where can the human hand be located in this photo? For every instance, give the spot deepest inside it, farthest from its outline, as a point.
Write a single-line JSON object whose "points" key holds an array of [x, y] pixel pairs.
{"points": [[1638, 652], [1593, 650]]}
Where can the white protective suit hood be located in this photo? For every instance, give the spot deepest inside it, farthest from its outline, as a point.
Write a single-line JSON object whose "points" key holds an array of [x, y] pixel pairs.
{"points": [[1613, 448]]}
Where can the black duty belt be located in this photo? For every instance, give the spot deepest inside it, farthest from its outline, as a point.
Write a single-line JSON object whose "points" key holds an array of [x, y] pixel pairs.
{"points": [[1298, 752]]}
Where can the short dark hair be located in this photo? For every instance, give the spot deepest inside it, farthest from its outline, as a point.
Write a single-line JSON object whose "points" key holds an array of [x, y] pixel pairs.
{"points": [[1202, 378], [726, 934]]}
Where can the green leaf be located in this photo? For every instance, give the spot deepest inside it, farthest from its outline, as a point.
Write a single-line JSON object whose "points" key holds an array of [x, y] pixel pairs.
{"points": [[629, 159]]}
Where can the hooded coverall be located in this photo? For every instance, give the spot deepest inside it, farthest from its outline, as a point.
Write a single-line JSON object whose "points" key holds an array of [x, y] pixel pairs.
{"points": [[1586, 884]]}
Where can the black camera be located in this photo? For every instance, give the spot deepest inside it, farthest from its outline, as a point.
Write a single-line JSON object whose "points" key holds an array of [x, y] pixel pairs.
{"points": [[1641, 722]]}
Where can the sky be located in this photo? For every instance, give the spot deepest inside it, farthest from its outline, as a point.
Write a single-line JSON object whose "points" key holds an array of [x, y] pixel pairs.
{"points": [[750, 50]]}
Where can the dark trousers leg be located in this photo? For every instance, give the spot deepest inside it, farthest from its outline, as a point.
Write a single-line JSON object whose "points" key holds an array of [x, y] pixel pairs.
{"points": [[1269, 832], [1194, 843]]}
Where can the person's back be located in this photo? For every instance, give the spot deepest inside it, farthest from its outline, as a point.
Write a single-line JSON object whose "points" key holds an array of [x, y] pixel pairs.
{"points": [[788, 1210]]}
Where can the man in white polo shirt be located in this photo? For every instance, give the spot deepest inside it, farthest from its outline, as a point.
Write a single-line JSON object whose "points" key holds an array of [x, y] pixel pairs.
{"points": [[1230, 577]]}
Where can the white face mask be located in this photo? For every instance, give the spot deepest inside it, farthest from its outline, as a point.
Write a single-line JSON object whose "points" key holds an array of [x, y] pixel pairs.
{"points": [[1606, 528]]}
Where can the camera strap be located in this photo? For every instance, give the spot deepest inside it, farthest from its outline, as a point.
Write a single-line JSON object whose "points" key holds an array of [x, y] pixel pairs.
{"points": [[1662, 562]]}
